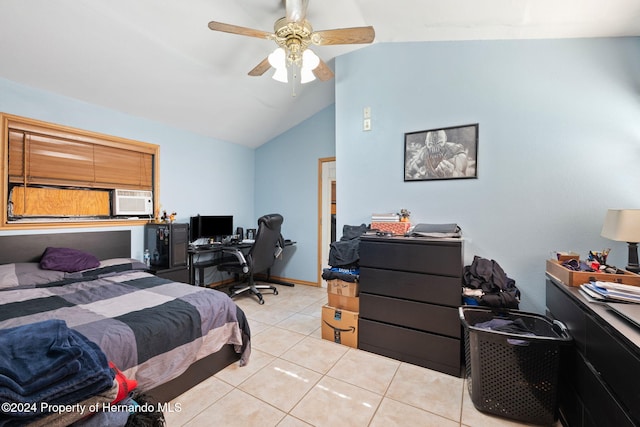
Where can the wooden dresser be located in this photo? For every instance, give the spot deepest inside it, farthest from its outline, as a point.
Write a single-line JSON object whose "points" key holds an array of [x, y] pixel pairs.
{"points": [[602, 377], [410, 291]]}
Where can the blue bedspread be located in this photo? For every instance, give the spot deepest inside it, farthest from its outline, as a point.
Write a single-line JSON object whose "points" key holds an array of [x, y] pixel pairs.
{"points": [[48, 362]]}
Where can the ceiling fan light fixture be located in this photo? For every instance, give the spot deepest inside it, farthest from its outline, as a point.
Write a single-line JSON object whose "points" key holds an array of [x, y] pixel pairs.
{"points": [[280, 75], [277, 59], [310, 62]]}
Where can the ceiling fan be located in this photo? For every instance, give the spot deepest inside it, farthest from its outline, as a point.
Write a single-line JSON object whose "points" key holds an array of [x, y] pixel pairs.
{"points": [[293, 34]]}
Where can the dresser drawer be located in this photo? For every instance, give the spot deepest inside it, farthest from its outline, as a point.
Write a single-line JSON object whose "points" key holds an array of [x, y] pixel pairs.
{"points": [[416, 315], [601, 408], [442, 290], [617, 366], [419, 256], [419, 348], [564, 309]]}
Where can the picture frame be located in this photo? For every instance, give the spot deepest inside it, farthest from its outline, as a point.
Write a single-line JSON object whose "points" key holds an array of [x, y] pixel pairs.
{"points": [[441, 153]]}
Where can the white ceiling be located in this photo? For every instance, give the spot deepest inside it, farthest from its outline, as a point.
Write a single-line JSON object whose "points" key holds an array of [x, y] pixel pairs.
{"points": [[157, 59]]}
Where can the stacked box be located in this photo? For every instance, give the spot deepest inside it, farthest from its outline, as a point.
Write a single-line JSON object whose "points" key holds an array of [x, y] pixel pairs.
{"points": [[340, 326], [340, 315], [343, 294]]}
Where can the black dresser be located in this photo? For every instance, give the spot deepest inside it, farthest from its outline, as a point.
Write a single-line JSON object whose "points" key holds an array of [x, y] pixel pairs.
{"points": [[601, 379], [410, 291]]}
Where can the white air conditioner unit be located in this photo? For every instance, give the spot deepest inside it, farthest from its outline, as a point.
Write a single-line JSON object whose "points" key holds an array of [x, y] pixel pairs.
{"points": [[132, 202]]}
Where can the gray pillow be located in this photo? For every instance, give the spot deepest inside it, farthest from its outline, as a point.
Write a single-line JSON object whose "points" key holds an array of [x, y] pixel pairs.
{"points": [[26, 274]]}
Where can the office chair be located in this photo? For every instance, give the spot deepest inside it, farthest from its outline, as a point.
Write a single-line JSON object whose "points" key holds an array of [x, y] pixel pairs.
{"points": [[267, 246]]}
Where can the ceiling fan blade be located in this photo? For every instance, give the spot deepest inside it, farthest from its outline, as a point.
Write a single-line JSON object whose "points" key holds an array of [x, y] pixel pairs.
{"points": [[296, 10], [261, 68], [243, 31], [323, 72], [355, 35]]}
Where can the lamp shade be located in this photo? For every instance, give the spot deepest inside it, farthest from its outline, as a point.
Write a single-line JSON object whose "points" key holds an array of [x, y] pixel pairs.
{"points": [[622, 225]]}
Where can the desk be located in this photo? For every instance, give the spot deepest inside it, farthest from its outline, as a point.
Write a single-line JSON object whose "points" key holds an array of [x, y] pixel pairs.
{"points": [[216, 250]]}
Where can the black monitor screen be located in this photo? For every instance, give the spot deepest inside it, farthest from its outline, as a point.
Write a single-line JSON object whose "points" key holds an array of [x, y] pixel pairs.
{"points": [[210, 226]]}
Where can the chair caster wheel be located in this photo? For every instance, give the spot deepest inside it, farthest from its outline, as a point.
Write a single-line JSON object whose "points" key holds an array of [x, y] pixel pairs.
{"points": [[275, 292], [260, 301]]}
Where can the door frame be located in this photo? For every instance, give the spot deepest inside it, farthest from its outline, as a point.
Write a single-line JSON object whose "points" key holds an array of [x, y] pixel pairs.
{"points": [[321, 219]]}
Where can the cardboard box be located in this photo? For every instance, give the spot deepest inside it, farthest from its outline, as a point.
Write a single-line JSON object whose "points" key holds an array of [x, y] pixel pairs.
{"points": [[344, 303], [340, 326], [399, 228], [577, 278], [340, 287]]}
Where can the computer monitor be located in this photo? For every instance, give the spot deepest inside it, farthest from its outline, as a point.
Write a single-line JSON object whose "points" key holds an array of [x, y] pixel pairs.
{"points": [[210, 226]]}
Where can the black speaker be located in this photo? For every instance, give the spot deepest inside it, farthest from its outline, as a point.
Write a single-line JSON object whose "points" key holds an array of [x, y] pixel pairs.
{"points": [[167, 244]]}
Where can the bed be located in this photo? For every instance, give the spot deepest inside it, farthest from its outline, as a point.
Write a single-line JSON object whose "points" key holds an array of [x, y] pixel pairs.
{"points": [[168, 336]]}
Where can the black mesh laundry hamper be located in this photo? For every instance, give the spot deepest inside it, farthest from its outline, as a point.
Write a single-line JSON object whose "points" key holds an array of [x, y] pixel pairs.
{"points": [[514, 375]]}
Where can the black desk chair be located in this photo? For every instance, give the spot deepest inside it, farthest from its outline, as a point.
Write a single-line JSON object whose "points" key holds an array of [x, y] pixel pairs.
{"points": [[266, 248]]}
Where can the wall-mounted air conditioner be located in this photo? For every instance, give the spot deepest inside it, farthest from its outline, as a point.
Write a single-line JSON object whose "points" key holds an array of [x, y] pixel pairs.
{"points": [[132, 202]]}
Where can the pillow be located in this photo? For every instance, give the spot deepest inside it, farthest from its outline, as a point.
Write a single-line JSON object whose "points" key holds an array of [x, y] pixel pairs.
{"points": [[67, 260], [26, 274]]}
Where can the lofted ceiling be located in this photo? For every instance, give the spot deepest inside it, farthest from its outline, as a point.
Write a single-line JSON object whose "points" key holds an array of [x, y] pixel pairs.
{"points": [[157, 59]]}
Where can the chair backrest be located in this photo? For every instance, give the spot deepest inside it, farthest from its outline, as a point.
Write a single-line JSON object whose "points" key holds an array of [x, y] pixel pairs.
{"points": [[268, 238]]}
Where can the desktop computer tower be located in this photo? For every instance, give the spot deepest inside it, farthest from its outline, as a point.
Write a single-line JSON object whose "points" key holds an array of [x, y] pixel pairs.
{"points": [[167, 245]]}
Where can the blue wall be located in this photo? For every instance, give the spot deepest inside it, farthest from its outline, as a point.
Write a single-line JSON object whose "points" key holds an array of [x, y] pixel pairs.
{"points": [[197, 174], [559, 143], [287, 183]]}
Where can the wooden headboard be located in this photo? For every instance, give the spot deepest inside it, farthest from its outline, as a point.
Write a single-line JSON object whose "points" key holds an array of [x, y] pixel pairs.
{"points": [[29, 247]]}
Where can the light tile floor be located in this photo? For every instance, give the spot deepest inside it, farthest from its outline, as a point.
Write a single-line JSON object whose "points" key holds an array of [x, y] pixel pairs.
{"points": [[295, 378]]}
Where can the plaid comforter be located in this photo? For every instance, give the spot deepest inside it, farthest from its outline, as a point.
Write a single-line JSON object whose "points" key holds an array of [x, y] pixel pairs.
{"points": [[151, 328]]}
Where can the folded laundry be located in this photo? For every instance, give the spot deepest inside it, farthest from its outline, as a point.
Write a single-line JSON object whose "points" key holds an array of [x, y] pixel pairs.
{"points": [[40, 382], [346, 274], [39, 349], [435, 230], [35, 351]]}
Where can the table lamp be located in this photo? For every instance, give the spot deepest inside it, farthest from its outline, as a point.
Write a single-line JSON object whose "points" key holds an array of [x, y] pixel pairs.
{"points": [[623, 225]]}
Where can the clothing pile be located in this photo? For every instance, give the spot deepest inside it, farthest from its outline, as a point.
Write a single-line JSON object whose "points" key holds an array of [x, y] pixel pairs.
{"points": [[486, 283], [516, 327], [46, 366], [344, 255]]}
